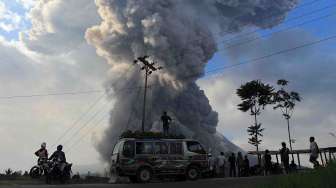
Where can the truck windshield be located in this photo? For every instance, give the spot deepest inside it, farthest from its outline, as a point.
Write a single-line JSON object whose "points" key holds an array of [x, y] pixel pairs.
{"points": [[195, 147], [116, 148], [128, 149]]}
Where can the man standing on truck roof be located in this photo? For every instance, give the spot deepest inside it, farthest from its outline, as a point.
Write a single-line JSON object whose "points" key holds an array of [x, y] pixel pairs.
{"points": [[165, 123]]}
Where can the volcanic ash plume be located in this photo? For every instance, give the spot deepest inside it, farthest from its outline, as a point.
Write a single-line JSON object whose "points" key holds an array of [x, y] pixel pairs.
{"points": [[177, 35]]}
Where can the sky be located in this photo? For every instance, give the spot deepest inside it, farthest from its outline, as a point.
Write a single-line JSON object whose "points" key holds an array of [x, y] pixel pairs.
{"points": [[43, 50]]}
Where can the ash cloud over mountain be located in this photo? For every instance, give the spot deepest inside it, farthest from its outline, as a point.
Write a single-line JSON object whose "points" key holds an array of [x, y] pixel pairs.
{"points": [[179, 36]]}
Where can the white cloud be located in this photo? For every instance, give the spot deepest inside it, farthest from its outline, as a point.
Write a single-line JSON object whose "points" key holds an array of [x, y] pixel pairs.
{"points": [[27, 4], [65, 32], [9, 21], [27, 67]]}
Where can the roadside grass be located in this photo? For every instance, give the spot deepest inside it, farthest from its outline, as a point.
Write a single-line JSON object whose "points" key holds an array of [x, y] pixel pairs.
{"points": [[320, 178]]}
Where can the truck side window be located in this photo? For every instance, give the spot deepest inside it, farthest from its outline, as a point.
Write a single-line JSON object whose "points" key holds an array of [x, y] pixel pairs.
{"points": [[195, 147], [175, 148], [144, 148], [128, 150], [161, 148]]}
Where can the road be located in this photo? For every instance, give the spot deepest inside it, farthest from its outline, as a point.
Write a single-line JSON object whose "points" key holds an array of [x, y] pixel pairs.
{"points": [[248, 182]]}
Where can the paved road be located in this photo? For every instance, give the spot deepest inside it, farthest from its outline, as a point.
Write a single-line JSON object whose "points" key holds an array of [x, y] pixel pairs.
{"points": [[209, 183]]}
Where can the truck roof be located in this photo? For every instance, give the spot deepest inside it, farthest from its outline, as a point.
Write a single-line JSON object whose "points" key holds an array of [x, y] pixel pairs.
{"points": [[157, 139]]}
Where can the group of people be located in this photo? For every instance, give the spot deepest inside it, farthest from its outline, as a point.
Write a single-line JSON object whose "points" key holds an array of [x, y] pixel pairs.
{"points": [[238, 166], [58, 156], [284, 155]]}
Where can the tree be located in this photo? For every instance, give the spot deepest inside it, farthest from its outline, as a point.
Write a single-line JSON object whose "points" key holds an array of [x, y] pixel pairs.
{"points": [[255, 95], [255, 132], [285, 101], [8, 172]]}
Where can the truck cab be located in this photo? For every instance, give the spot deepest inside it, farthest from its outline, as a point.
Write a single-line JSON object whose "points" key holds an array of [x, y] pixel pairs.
{"points": [[141, 159]]}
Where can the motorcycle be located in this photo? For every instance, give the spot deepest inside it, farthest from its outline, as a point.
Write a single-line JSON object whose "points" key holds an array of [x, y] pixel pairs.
{"points": [[58, 171], [40, 169]]}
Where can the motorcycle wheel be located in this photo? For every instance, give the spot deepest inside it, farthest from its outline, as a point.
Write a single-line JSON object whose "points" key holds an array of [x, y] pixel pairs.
{"points": [[35, 172]]}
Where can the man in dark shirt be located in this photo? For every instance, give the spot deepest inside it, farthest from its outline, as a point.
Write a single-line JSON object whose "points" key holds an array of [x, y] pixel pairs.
{"points": [[232, 161], [165, 123], [59, 157], [284, 153], [268, 162], [246, 166]]}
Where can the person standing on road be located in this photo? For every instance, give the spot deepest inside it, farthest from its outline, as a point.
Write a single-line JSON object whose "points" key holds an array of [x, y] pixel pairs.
{"points": [[240, 163], [221, 164], [314, 152], [246, 166], [284, 154], [232, 161], [166, 120], [267, 163]]}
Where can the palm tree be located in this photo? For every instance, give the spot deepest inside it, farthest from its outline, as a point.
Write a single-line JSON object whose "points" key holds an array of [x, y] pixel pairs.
{"points": [[255, 95], [285, 101]]}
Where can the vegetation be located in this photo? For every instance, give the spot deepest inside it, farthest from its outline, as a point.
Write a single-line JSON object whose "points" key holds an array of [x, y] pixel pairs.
{"points": [[255, 95], [285, 101], [323, 177]]}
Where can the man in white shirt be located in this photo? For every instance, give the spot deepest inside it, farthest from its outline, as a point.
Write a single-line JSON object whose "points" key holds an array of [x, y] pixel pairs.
{"points": [[314, 152], [221, 164]]}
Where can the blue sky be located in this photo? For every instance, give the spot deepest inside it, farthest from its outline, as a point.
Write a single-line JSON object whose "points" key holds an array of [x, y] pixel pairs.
{"points": [[15, 7], [314, 16]]}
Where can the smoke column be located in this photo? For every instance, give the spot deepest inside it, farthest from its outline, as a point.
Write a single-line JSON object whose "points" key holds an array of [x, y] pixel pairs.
{"points": [[179, 36]]}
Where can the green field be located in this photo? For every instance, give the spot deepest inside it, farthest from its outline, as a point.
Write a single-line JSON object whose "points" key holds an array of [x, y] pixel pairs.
{"points": [[320, 178]]}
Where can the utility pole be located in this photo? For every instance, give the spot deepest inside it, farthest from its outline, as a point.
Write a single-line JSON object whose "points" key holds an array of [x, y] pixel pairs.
{"points": [[149, 68]]}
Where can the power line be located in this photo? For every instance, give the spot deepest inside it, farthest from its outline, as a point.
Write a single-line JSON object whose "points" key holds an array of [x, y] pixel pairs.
{"points": [[63, 93], [233, 30], [78, 119], [133, 109], [85, 124], [98, 123], [282, 30], [253, 60], [230, 31], [52, 94], [70, 148], [119, 90], [287, 21], [131, 88], [89, 109]]}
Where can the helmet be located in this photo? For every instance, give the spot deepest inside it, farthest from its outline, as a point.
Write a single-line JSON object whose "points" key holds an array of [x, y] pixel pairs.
{"points": [[59, 147], [43, 145]]}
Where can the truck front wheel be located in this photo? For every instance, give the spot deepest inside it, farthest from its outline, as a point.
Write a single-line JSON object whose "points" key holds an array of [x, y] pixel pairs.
{"points": [[144, 175], [192, 173]]}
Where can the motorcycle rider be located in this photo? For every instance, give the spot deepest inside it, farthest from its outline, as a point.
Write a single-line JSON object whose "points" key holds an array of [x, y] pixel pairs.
{"points": [[59, 158], [42, 153]]}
